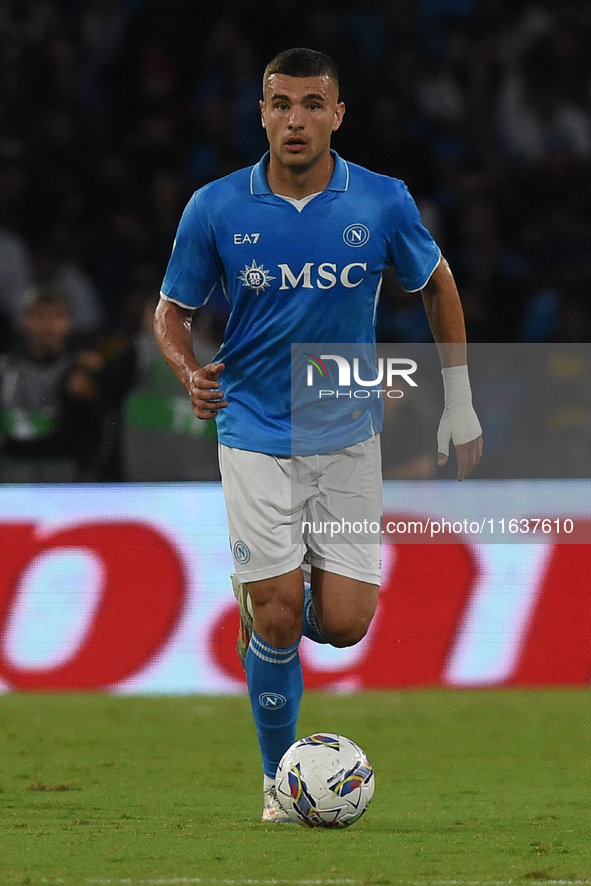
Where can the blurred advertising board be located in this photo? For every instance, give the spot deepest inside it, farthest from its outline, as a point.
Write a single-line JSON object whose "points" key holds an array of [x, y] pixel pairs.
{"points": [[125, 588]]}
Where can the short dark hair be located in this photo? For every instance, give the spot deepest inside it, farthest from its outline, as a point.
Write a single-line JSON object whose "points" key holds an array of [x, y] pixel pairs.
{"points": [[302, 62]]}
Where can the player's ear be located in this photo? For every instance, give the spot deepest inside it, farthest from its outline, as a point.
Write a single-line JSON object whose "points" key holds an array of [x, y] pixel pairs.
{"points": [[262, 107], [338, 115]]}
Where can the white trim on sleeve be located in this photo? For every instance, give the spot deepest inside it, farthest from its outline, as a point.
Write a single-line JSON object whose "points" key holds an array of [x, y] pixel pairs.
{"points": [[177, 302], [436, 265]]}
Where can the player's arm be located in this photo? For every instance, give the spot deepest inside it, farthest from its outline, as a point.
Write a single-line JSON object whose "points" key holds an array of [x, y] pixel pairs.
{"points": [[459, 421], [173, 330]]}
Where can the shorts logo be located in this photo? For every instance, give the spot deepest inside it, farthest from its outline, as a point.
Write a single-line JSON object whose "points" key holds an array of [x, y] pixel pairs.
{"points": [[256, 277], [356, 235], [241, 552], [272, 700]]}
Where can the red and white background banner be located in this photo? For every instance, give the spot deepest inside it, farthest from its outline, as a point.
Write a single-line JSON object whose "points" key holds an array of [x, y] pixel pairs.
{"points": [[125, 588]]}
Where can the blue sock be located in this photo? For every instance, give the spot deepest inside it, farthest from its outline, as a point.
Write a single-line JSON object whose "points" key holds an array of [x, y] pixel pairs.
{"points": [[311, 627], [275, 687]]}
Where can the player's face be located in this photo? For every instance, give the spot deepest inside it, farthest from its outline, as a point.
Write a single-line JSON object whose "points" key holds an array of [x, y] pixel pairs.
{"points": [[300, 115]]}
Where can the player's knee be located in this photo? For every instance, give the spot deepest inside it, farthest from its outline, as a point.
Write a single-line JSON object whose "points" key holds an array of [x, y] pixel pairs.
{"points": [[279, 622], [346, 634], [346, 625]]}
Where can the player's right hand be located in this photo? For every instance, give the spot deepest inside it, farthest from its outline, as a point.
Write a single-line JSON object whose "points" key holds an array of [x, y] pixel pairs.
{"points": [[204, 390]]}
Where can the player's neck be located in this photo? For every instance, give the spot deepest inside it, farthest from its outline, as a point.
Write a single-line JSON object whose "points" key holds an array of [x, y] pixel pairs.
{"points": [[300, 183]]}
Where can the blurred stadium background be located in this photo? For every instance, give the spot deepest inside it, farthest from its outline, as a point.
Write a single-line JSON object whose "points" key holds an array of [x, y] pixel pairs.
{"points": [[112, 112]]}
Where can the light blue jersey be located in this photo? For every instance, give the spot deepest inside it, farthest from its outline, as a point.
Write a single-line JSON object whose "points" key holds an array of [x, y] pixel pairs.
{"points": [[293, 276]]}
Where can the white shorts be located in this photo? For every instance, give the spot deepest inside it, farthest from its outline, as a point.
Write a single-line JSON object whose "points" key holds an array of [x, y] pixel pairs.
{"points": [[324, 510]]}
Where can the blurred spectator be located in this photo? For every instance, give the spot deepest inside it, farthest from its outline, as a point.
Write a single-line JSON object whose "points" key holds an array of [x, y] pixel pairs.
{"points": [[47, 423], [52, 269]]}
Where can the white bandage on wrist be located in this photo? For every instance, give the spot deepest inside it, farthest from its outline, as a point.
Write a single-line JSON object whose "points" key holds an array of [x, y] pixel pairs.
{"points": [[459, 421]]}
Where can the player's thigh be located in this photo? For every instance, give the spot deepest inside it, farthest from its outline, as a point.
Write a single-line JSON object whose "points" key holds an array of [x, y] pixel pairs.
{"points": [[261, 511], [343, 519]]}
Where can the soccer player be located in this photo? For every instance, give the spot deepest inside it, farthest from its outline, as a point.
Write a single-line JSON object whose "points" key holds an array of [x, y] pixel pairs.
{"points": [[299, 242]]}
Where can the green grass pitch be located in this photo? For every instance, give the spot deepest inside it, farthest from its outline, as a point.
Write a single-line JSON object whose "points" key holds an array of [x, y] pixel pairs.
{"points": [[472, 787]]}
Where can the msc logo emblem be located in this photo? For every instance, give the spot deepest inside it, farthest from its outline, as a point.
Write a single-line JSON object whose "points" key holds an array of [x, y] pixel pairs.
{"points": [[241, 552], [256, 277], [356, 235], [272, 700]]}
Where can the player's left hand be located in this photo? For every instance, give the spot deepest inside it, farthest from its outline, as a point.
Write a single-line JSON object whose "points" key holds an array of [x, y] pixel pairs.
{"points": [[468, 455], [459, 423]]}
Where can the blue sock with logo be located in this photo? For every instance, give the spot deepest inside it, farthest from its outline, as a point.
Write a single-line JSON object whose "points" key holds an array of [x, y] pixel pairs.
{"points": [[311, 628], [275, 687]]}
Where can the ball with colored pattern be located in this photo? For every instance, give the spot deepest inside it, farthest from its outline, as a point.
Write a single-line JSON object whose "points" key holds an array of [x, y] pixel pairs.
{"points": [[325, 781]]}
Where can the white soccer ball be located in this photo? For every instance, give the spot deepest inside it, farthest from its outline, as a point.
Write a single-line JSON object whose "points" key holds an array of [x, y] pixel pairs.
{"points": [[325, 781]]}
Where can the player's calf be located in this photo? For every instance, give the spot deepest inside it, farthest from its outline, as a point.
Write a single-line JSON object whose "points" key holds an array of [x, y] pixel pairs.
{"points": [[344, 607]]}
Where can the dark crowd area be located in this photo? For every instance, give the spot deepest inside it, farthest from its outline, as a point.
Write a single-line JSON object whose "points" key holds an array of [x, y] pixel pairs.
{"points": [[112, 112]]}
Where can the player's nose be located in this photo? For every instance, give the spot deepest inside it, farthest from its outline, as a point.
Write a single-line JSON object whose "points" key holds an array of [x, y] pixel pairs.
{"points": [[296, 119]]}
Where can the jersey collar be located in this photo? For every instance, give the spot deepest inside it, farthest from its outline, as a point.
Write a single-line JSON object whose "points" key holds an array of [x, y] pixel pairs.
{"points": [[259, 184]]}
